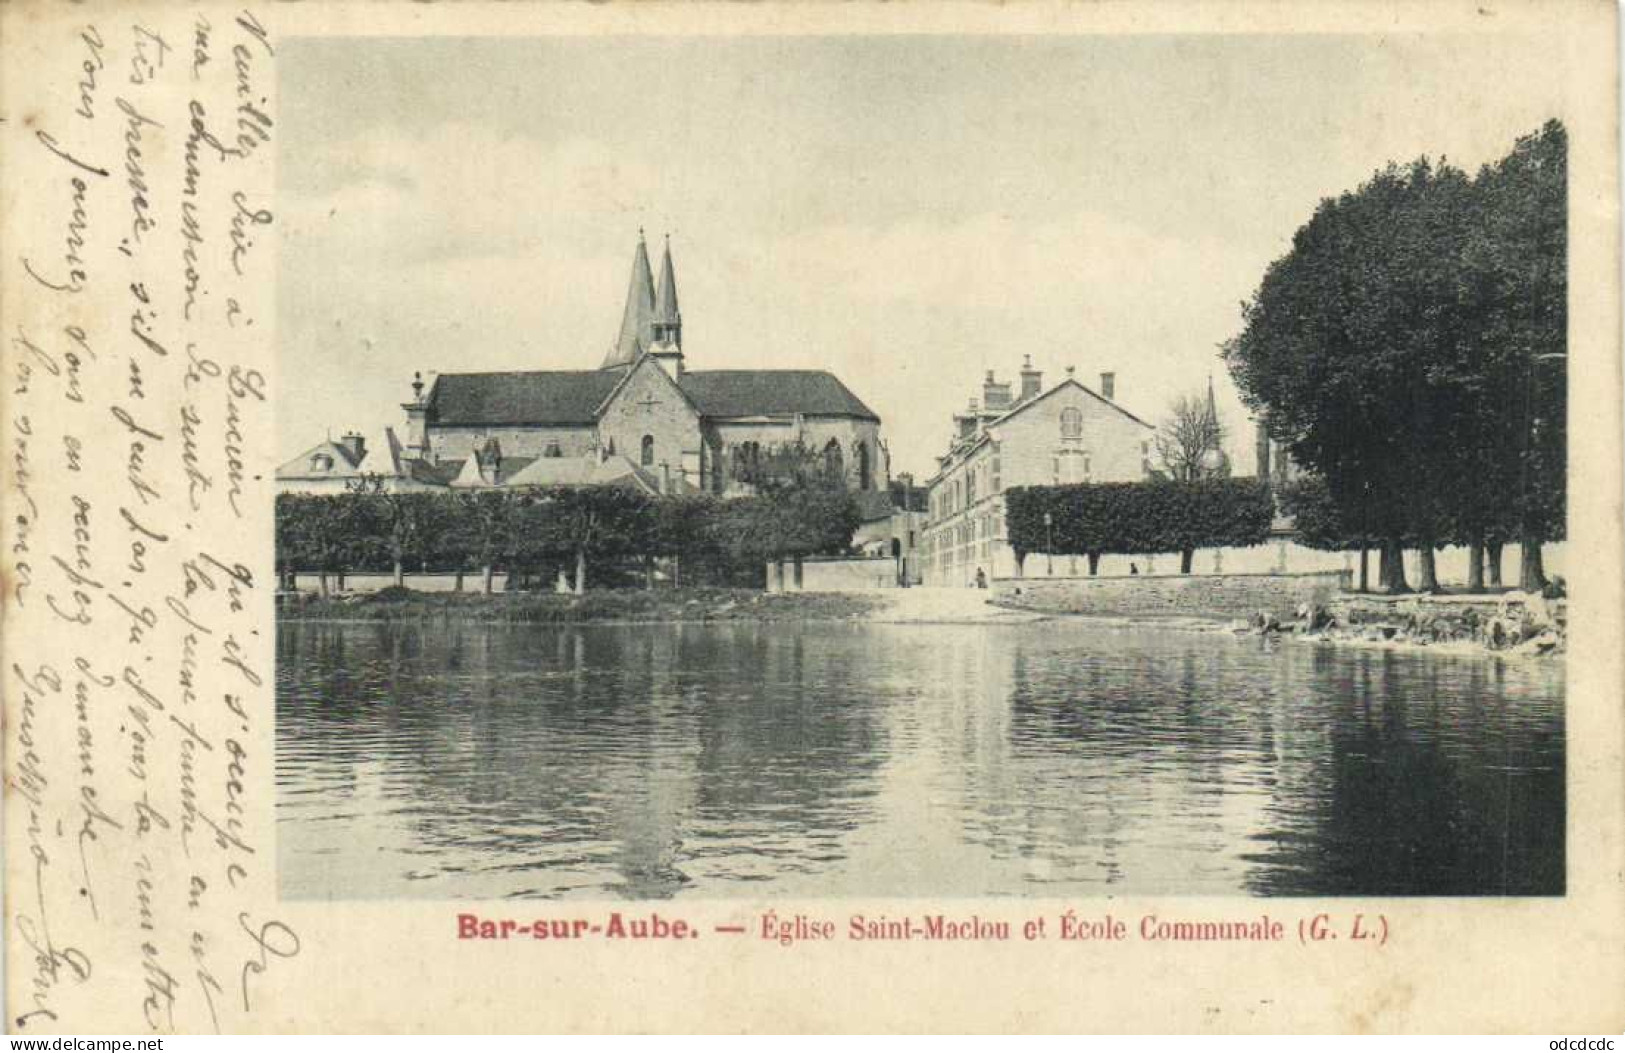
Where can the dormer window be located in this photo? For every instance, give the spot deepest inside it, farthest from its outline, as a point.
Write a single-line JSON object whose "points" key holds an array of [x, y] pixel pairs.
{"points": [[321, 462]]}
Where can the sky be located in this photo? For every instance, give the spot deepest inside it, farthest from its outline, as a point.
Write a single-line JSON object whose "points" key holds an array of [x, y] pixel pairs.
{"points": [[907, 212]]}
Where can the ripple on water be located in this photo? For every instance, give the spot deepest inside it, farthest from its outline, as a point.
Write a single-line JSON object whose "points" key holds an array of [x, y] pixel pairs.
{"points": [[734, 760]]}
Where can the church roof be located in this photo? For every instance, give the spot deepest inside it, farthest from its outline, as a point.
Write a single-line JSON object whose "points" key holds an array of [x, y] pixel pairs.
{"points": [[558, 397], [639, 312], [572, 397], [666, 296], [772, 392], [587, 470]]}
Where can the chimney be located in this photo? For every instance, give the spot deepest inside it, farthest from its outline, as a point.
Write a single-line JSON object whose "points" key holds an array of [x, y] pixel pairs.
{"points": [[995, 396], [1108, 385], [1070, 370], [1031, 379], [355, 446]]}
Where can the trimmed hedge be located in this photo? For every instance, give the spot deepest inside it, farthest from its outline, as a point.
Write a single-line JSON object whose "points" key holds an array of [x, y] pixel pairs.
{"points": [[1140, 518], [542, 531]]}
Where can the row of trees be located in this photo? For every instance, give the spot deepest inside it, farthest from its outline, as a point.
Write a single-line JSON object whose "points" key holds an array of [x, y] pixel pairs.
{"points": [[529, 533], [1410, 352], [1143, 518]]}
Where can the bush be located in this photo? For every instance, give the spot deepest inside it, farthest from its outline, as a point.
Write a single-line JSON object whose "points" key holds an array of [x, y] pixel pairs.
{"points": [[533, 534], [1138, 518]]}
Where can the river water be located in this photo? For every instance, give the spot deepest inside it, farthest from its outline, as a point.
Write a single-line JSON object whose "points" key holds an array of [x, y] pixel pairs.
{"points": [[844, 759]]}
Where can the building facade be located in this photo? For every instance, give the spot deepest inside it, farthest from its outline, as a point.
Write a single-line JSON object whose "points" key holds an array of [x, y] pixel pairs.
{"points": [[642, 416], [1067, 433]]}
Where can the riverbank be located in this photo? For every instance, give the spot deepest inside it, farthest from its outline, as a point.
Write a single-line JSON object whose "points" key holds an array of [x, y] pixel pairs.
{"points": [[1508, 626], [609, 606], [1413, 624]]}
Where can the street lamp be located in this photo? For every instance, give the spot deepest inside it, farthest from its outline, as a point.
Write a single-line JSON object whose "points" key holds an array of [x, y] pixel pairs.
{"points": [[1049, 542]]}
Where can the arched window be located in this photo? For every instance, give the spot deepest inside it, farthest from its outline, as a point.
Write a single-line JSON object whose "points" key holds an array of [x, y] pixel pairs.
{"points": [[647, 458], [1071, 423], [865, 482], [834, 466]]}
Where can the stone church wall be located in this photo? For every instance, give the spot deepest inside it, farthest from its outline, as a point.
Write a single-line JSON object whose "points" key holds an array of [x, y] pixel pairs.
{"points": [[459, 443], [649, 404]]}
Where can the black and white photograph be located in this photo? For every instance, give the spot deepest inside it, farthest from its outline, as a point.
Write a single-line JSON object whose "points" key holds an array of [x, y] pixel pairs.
{"points": [[921, 466]]}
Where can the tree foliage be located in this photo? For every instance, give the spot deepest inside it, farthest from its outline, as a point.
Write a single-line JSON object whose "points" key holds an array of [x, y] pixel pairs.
{"points": [[1137, 518], [541, 530], [1409, 351], [1317, 520]]}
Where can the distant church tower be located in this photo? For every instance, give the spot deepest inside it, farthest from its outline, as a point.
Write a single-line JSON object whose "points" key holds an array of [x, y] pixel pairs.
{"points": [[651, 323], [668, 321]]}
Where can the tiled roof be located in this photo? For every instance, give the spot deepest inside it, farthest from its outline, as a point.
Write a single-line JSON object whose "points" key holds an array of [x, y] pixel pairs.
{"points": [[772, 392], [552, 397], [436, 473], [588, 470], [572, 397], [666, 296], [381, 456], [640, 309]]}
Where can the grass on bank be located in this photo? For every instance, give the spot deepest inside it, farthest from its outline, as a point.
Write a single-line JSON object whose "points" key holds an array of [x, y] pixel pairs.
{"points": [[610, 605]]}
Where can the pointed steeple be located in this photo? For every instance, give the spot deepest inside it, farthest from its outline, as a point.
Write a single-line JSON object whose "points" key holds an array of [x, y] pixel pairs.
{"points": [[668, 321], [638, 318]]}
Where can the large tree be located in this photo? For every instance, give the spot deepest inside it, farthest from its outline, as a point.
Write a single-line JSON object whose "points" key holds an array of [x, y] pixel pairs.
{"points": [[1520, 267], [1396, 351]]}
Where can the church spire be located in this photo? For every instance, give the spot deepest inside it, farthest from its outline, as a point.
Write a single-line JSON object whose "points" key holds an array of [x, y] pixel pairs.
{"points": [[637, 320], [668, 320]]}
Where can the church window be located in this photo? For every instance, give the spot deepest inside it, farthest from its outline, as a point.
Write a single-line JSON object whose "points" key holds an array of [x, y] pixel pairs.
{"points": [[864, 480], [1071, 423], [647, 458], [833, 467]]}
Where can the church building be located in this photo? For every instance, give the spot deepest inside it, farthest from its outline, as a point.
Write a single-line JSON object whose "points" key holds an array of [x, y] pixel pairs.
{"points": [[643, 418]]}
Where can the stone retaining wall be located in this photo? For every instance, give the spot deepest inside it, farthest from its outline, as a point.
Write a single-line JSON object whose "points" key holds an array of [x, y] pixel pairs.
{"points": [[834, 574], [1218, 596]]}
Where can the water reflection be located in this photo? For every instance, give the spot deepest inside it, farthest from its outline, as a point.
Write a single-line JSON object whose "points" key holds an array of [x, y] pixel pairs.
{"points": [[849, 760]]}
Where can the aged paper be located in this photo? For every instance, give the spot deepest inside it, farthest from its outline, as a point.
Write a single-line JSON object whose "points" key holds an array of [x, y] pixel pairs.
{"points": [[211, 212]]}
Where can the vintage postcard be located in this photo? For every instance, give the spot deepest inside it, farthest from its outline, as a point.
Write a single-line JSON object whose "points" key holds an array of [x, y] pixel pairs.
{"points": [[797, 517]]}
